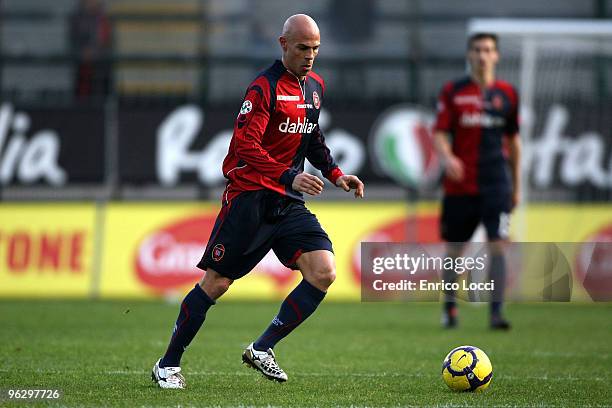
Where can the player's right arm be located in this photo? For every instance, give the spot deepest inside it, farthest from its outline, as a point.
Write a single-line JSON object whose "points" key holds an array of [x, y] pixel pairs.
{"points": [[453, 165], [444, 122], [307, 183], [250, 127]]}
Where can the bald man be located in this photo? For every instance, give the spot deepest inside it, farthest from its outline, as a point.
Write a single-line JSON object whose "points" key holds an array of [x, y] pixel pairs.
{"points": [[263, 207]]}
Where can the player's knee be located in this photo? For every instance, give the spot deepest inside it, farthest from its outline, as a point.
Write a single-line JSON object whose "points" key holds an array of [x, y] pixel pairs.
{"points": [[223, 284], [215, 284], [318, 268], [218, 287], [454, 249], [496, 247], [324, 275], [330, 277]]}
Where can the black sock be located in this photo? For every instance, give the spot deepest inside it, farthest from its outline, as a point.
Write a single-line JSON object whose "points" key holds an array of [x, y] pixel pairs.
{"points": [[296, 308], [190, 319], [497, 273], [449, 276]]}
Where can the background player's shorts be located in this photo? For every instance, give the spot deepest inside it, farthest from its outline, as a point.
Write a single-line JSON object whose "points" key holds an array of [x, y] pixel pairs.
{"points": [[253, 223], [462, 214]]}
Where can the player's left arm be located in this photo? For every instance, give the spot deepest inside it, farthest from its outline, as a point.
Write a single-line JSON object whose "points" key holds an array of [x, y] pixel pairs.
{"points": [[349, 182], [514, 159], [514, 148], [320, 156]]}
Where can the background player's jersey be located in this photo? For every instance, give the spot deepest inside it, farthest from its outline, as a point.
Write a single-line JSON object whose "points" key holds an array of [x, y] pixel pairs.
{"points": [[477, 120], [276, 130]]}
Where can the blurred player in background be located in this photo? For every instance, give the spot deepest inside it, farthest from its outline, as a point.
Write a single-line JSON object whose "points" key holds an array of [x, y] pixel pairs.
{"points": [[477, 136], [263, 206]]}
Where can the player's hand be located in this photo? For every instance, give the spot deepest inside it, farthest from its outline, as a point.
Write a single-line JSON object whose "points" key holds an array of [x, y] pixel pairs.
{"points": [[454, 169], [348, 182], [307, 183]]}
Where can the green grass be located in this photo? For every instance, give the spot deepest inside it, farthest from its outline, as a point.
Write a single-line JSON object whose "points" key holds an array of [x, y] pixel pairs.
{"points": [[100, 354]]}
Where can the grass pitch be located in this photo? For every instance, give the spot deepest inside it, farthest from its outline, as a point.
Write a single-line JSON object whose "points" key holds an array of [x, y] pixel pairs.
{"points": [[101, 353]]}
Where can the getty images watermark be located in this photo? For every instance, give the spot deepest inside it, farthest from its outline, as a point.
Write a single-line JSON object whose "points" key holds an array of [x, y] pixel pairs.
{"points": [[480, 272], [413, 265]]}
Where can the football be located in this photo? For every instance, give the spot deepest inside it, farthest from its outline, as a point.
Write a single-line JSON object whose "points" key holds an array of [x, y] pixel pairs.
{"points": [[467, 368]]}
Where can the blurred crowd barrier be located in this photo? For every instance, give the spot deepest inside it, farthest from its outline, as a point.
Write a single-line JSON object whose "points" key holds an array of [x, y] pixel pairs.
{"points": [[149, 250]]}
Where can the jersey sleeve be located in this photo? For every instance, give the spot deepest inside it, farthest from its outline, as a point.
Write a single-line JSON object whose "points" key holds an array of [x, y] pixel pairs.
{"points": [[320, 156], [444, 118], [249, 129], [513, 121]]}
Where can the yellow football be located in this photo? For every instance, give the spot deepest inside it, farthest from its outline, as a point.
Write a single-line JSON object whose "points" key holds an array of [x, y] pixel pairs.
{"points": [[467, 368]]}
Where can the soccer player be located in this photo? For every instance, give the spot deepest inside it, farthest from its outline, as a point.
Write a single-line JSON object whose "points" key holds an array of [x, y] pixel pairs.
{"points": [[263, 205], [477, 136]]}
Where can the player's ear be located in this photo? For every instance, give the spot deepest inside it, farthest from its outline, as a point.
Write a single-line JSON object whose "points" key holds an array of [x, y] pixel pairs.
{"points": [[496, 59], [283, 43]]}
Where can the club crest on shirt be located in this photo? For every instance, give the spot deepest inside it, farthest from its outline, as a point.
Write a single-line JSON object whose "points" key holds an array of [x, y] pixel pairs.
{"points": [[315, 100], [497, 102], [246, 107], [218, 252]]}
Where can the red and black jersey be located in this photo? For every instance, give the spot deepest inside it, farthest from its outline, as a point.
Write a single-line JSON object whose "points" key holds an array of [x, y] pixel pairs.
{"points": [[478, 119], [276, 130]]}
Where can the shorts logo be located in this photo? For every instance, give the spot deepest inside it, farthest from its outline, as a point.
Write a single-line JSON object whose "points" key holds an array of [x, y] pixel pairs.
{"points": [[218, 252], [315, 100], [246, 107]]}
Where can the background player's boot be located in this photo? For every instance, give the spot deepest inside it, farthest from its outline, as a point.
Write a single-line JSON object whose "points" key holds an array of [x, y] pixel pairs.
{"points": [[499, 323], [168, 377], [449, 316], [265, 362]]}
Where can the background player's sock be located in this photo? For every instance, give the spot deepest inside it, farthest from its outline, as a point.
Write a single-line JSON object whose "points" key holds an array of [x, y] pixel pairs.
{"points": [[497, 273], [449, 316], [190, 319], [449, 312], [496, 309], [451, 309], [296, 308], [449, 276]]}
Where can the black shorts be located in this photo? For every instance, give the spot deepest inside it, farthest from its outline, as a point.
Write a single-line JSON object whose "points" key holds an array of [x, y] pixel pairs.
{"points": [[462, 214], [253, 223]]}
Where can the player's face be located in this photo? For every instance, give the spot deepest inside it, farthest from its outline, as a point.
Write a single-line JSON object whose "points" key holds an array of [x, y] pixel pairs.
{"points": [[483, 55], [300, 51]]}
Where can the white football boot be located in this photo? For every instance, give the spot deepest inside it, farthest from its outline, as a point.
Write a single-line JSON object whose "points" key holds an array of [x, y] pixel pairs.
{"points": [[168, 377], [264, 362]]}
